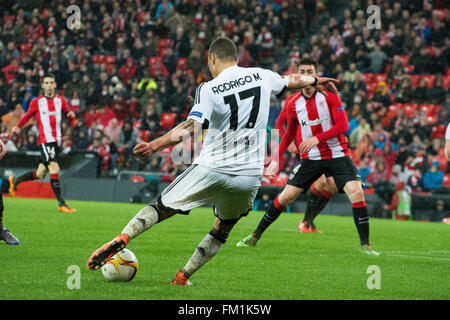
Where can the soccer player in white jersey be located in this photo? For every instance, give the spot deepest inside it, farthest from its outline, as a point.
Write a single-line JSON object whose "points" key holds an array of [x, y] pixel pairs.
{"points": [[227, 172], [447, 143], [48, 111]]}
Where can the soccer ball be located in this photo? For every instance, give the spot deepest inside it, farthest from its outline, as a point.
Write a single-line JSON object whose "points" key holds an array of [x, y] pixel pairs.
{"points": [[121, 267]]}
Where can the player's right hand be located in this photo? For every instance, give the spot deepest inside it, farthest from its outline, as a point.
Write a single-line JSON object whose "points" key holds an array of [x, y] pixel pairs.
{"points": [[16, 130], [143, 149], [272, 169], [326, 84]]}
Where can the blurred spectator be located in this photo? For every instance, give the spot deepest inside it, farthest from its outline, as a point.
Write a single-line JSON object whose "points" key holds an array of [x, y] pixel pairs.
{"points": [[401, 203], [364, 172], [377, 60], [415, 181], [264, 203], [439, 213], [433, 178]]}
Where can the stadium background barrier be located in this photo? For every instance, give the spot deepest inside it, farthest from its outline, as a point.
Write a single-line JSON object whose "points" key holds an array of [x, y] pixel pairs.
{"points": [[79, 182]]}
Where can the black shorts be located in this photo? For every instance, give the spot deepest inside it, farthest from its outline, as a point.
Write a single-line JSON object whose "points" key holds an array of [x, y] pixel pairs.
{"points": [[307, 171], [49, 152]]}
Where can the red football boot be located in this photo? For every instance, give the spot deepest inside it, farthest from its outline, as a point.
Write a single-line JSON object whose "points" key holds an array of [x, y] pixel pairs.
{"points": [[107, 251]]}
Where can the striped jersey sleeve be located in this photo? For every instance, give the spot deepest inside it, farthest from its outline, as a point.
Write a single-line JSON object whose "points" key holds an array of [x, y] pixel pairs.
{"points": [[203, 104]]}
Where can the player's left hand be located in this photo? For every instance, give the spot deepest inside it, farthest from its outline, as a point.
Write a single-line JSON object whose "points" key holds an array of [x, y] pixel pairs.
{"points": [[308, 144], [2, 149], [272, 169], [144, 149]]}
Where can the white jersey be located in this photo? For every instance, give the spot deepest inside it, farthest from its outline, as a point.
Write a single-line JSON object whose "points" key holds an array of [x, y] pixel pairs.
{"points": [[447, 132], [236, 103]]}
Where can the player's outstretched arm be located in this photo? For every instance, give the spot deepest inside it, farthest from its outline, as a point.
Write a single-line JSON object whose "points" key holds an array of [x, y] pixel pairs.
{"points": [[297, 81], [173, 137]]}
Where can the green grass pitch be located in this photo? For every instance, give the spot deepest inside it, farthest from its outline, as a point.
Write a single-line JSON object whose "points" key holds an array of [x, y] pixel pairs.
{"points": [[285, 265]]}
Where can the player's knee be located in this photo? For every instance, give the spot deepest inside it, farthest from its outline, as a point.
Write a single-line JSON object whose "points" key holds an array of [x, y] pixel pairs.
{"points": [[330, 188], [53, 168], [320, 184], [287, 197], [354, 191], [162, 213], [40, 174]]}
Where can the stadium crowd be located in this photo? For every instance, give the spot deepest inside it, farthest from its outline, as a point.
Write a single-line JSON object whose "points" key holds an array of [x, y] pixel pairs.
{"points": [[130, 72]]}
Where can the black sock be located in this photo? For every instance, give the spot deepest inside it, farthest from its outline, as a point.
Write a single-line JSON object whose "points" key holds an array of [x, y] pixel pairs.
{"points": [[361, 218], [28, 176], [56, 186], [271, 215], [314, 206]]}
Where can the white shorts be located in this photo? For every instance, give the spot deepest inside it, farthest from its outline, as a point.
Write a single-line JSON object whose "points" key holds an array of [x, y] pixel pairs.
{"points": [[231, 195]]}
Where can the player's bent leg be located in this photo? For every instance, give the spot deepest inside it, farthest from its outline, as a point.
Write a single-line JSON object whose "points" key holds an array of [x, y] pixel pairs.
{"points": [[145, 219], [142, 221], [37, 174], [355, 193], [53, 168], [205, 251], [285, 198], [41, 171]]}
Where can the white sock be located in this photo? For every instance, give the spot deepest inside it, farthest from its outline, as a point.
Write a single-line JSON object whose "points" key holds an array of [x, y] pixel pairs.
{"points": [[206, 249], [141, 222]]}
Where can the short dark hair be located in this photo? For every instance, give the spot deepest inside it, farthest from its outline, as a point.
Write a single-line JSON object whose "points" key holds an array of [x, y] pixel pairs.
{"points": [[48, 75], [308, 62], [224, 48]]}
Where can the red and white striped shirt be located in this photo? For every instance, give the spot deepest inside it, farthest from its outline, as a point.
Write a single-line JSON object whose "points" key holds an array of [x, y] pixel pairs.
{"points": [[48, 112], [321, 116]]}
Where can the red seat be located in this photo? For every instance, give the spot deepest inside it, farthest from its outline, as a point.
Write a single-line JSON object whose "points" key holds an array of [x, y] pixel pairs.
{"points": [[446, 182], [97, 58], [144, 135], [432, 119], [415, 78], [427, 108], [436, 109], [392, 110], [404, 59], [439, 13], [380, 77], [140, 16], [181, 64], [167, 120], [156, 62], [409, 109], [110, 59], [163, 43], [409, 68], [429, 78], [161, 51], [446, 82], [438, 131], [367, 78], [25, 47]]}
